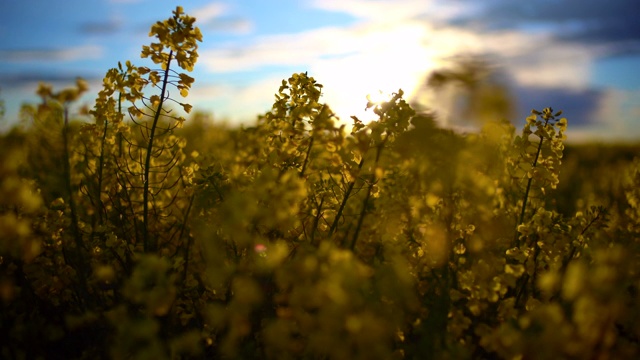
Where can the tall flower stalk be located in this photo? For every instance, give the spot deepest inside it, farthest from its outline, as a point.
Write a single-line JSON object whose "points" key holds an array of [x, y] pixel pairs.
{"points": [[148, 158], [540, 159]]}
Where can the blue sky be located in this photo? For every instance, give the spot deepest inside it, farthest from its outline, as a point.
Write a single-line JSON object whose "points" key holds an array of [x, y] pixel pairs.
{"points": [[582, 56]]}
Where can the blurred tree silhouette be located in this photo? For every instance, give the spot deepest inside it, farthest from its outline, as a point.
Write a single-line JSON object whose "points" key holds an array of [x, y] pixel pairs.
{"points": [[472, 91]]}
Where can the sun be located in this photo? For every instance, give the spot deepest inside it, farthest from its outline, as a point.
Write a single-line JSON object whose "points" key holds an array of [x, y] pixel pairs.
{"points": [[353, 82], [392, 58], [378, 97], [359, 97]]}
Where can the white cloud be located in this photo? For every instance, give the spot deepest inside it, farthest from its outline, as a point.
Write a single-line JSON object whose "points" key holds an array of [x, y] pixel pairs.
{"points": [[209, 12], [235, 103], [283, 49], [549, 63], [395, 10], [366, 9], [215, 16], [532, 60], [619, 111], [46, 55], [234, 26]]}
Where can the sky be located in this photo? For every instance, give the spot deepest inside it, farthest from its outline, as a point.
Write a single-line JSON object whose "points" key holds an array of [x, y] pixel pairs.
{"points": [[581, 56]]}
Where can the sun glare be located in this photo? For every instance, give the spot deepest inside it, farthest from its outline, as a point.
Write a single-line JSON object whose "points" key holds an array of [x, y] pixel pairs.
{"points": [[378, 97], [348, 93], [393, 58]]}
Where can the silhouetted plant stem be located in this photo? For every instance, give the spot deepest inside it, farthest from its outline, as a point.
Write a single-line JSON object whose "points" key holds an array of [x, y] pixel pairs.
{"points": [[528, 189], [101, 209], [189, 242], [78, 257], [151, 245], [365, 203], [574, 248], [334, 225], [316, 220], [306, 158], [120, 137], [524, 280]]}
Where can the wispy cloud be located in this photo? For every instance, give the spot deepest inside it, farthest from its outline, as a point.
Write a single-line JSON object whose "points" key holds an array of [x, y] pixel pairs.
{"points": [[27, 80], [238, 103], [394, 10], [238, 26], [101, 28], [285, 49], [47, 55], [209, 12], [620, 112], [614, 118], [217, 17]]}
